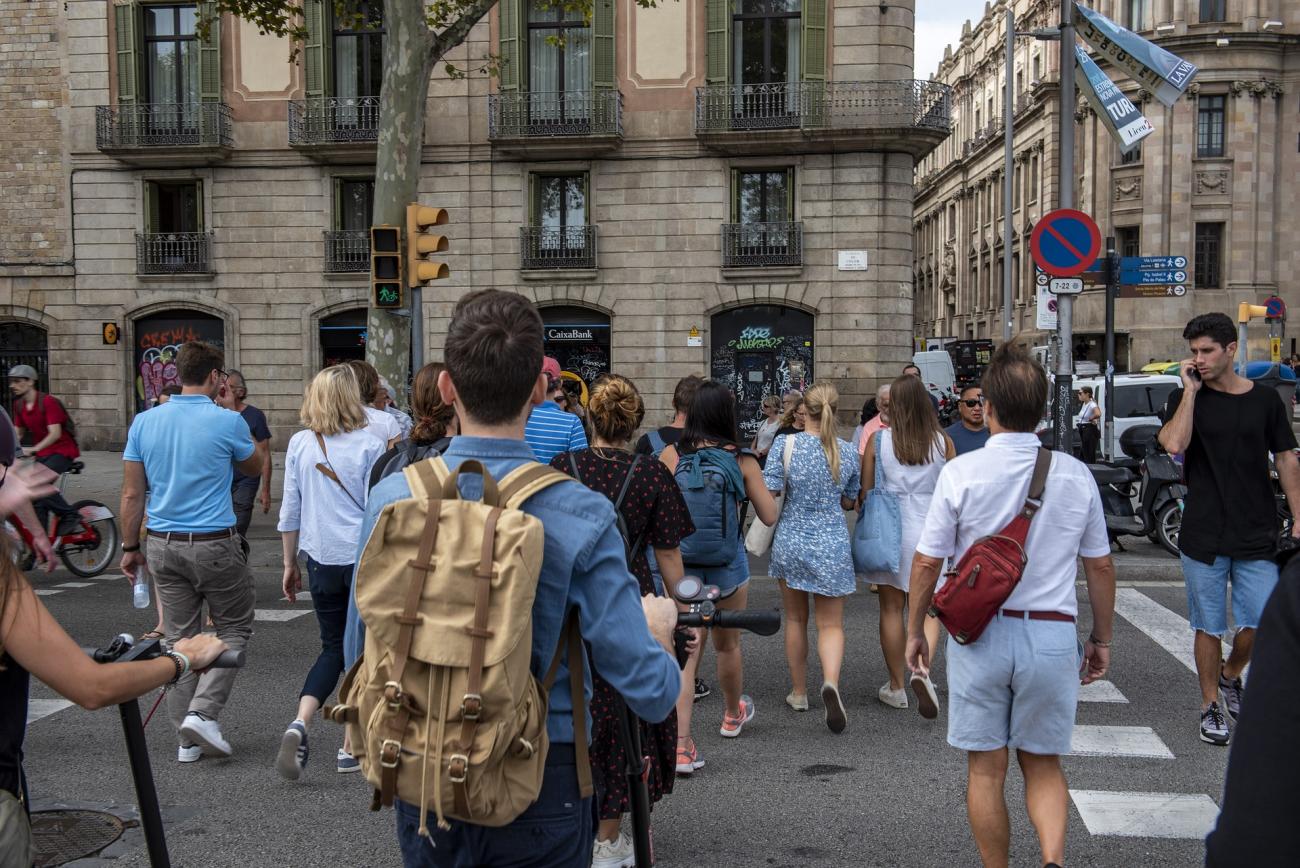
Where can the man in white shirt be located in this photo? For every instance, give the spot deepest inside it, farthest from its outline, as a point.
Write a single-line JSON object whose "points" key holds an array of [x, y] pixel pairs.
{"points": [[1017, 685]]}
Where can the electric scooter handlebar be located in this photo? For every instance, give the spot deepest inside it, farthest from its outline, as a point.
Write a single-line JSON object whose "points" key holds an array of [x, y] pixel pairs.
{"points": [[124, 647], [763, 622]]}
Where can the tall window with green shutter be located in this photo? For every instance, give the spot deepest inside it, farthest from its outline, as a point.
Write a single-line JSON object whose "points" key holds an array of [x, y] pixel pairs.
{"points": [[166, 69], [557, 62], [762, 51], [343, 56]]}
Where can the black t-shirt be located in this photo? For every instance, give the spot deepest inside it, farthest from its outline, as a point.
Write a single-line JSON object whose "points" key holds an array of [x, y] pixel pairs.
{"points": [[14, 683], [1230, 509], [670, 437]]}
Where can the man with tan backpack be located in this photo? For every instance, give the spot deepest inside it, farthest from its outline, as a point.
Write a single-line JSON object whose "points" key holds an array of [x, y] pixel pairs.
{"points": [[480, 575]]}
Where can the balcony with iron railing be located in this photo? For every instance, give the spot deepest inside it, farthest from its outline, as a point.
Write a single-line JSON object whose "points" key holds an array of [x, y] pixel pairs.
{"points": [[762, 245], [568, 123], [173, 252], [347, 250], [334, 125], [568, 247], [164, 132], [819, 116]]}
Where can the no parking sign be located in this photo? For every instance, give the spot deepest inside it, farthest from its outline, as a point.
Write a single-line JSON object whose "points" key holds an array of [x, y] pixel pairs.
{"points": [[1065, 243]]}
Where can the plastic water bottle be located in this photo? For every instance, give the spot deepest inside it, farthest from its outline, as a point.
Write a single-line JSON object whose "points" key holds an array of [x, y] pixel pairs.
{"points": [[140, 592]]}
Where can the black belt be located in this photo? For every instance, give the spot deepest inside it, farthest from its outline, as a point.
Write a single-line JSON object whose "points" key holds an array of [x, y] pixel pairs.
{"points": [[187, 536]]}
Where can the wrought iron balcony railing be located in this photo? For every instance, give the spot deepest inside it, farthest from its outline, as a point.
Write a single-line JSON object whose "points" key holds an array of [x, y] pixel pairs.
{"points": [[545, 115], [347, 250], [163, 125], [567, 247], [173, 252], [750, 245], [334, 120], [823, 105]]}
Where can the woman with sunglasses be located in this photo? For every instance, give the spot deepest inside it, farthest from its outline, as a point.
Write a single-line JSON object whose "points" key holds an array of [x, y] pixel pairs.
{"points": [[969, 432]]}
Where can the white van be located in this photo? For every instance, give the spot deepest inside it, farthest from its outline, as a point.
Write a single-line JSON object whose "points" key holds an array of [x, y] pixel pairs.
{"points": [[1139, 398], [937, 371]]}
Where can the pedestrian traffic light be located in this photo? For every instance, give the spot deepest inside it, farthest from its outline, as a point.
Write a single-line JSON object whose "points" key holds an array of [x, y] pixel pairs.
{"points": [[386, 266], [420, 243]]}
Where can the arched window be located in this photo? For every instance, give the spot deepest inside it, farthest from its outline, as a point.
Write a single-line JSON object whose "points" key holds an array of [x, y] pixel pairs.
{"points": [[158, 337], [760, 350], [23, 343]]}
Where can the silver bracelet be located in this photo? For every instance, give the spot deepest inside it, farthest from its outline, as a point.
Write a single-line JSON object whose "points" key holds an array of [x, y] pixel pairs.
{"points": [[1100, 644]]}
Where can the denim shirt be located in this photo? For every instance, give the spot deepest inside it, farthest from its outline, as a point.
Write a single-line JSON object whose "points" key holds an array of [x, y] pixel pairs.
{"points": [[583, 566]]}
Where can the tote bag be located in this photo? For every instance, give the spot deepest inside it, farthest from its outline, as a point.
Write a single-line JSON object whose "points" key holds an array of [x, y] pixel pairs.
{"points": [[878, 536], [759, 539]]}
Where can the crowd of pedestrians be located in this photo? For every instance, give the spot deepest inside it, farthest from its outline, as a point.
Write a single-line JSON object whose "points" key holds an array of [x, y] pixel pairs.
{"points": [[610, 526]]}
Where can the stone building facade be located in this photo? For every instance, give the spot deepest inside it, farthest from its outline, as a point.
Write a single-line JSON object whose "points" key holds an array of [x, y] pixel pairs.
{"points": [[674, 187], [1213, 183]]}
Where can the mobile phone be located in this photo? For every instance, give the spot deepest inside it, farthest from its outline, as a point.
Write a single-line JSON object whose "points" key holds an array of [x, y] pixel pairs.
{"points": [[1194, 374]]}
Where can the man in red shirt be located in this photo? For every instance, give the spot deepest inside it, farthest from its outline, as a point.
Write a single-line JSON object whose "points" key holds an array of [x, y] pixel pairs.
{"points": [[43, 419]]}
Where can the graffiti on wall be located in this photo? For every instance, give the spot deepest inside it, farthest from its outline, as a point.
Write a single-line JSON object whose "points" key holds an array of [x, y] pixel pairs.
{"points": [[759, 351], [157, 341]]}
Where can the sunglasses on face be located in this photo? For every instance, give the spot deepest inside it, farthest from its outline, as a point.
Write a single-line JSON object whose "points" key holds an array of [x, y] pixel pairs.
{"points": [[973, 402]]}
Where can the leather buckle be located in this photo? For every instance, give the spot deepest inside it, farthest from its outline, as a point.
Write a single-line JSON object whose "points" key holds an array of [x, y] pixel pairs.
{"points": [[385, 747], [471, 706], [393, 695], [458, 777]]}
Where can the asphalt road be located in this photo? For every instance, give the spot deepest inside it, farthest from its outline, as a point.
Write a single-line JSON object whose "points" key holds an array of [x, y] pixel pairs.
{"points": [[888, 792]]}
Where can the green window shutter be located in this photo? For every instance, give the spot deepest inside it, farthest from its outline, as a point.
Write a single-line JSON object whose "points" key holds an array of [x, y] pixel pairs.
{"points": [[718, 29], [735, 195], [313, 50], [602, 50], [508, 47], [534, 203], [210, 54], [814, 40], [338, 203], [150, 206], [124, 18], [198, 205], [789, 195]]}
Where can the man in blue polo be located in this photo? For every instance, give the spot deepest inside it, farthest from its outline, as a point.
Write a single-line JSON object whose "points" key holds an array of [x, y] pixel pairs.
{"points": [[551, 429], [185, 453]]}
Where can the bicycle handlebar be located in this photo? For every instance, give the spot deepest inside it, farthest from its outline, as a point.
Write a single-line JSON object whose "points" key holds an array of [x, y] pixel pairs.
{"points": [[764, 622]]}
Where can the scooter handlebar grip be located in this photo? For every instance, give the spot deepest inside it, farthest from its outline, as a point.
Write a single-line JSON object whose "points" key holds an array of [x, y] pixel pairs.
{"points": [[230, 659]]}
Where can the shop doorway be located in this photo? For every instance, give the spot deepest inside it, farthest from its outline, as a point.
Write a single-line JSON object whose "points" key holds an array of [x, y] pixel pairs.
{"points": [[578, 338], [761, 350], [158, 338], [343, 337], [22, 343]]}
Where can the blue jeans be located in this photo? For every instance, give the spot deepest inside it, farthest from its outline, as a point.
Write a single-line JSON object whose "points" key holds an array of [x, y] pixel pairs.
{"points": [[330, 586], [555, 832], [1207, 592]]}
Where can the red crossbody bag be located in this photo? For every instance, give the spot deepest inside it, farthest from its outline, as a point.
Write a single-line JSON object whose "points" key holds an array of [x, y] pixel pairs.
{"points": [[990, 569]]}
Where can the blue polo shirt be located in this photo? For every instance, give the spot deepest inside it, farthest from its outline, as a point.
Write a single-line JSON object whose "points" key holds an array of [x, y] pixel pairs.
{"points": [[187, 447], [552, 430], [584, 567]]}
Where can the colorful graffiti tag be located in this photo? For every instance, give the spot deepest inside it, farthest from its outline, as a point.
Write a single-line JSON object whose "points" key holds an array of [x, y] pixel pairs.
{"points": [[157, 341]]}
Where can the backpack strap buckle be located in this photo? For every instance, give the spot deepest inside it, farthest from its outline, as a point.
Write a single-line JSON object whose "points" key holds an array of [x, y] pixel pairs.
{"points": [[471, 706], [390, 751], [393, 695], [458, 768]]}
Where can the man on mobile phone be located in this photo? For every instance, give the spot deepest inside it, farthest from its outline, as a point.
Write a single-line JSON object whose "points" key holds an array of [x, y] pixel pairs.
{"points": [[1226, 426]]}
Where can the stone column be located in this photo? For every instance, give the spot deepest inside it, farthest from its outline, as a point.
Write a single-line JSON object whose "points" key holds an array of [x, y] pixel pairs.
{"points": [[873, 40]]}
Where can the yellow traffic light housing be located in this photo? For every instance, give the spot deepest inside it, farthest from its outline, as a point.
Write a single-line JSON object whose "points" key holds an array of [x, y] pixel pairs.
{"points": [[386, 266], [420, 243]]}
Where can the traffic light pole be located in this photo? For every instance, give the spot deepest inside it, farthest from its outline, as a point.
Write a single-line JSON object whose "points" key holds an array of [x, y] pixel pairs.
{"points": [[417, 329], [1062, 438], [1112, 289]]}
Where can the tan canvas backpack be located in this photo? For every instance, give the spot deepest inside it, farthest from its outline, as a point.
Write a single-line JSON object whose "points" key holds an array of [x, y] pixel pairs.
{"points": [[442, 708]]}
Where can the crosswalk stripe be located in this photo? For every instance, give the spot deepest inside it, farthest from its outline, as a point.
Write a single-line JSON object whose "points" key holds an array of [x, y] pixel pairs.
{"points": [[1121, 741], [1146, 815], [278, 614], [75, 585], [38, 708], [1166, 628], [47, 592], [1101, 691]]}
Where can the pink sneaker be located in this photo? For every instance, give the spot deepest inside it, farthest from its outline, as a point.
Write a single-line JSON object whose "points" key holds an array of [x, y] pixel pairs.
{"points": [[731, 726]]}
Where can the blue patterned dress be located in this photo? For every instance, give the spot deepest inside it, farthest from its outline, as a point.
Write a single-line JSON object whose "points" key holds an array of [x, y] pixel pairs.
{"points": [[811, 547]]}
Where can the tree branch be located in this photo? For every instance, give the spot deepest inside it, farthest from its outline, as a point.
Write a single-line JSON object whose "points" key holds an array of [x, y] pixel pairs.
{"points": [[459, 29]]}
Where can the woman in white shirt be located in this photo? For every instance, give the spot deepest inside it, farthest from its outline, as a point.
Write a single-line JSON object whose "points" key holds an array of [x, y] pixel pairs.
{"points": [[378, 423], [767, 431], [325, 472]]}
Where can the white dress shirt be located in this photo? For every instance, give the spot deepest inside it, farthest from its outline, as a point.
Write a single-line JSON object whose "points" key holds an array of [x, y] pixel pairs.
{"points": [[980, 492], [382, 425], [327, 520]]}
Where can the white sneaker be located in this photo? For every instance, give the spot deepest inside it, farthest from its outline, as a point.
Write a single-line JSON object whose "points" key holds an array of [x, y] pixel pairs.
{"points": [[614, 854], [188, 753], [206, 734], [927, 701], [893, 698]]}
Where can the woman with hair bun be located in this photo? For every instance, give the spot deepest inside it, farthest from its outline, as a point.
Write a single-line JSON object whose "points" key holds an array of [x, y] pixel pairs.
{"points": [[650, 512], [811, 556]]}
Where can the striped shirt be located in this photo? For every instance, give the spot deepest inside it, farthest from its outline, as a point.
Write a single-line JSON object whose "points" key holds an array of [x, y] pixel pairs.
{"points": [[551, 431]]}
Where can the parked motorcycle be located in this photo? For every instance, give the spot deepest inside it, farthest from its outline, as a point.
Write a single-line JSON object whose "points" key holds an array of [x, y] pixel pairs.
{"points": [[1151, 476]]}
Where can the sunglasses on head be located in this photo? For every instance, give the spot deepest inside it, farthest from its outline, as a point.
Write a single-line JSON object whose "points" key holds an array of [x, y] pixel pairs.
{"points": [[973, 402]]}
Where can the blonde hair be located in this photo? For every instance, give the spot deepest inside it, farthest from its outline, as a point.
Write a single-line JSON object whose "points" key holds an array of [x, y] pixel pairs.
{"points": [[913, 424], [819, 402], [615, 409], [331, 403]]}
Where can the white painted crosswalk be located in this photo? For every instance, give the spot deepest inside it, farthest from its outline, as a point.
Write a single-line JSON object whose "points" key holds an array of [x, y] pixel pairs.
{"points": [[1146, 815], [1127, 741], [279, 614], [38, 708]]}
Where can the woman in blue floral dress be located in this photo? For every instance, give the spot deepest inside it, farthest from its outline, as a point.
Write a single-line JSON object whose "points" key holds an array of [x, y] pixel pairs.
{"points": [[811, 554]]}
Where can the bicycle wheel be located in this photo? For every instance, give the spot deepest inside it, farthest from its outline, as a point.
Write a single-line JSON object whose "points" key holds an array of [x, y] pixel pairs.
{"points": [[91, 557]]}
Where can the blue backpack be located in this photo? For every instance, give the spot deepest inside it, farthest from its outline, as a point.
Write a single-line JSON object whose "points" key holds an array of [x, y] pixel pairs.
{"points": [[712, 486]]}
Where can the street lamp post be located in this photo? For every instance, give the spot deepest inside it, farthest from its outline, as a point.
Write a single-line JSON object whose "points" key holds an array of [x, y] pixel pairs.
{"points": [[1065, 199]]}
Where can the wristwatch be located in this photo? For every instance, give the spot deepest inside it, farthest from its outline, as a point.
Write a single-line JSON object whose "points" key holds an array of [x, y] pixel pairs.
{"points": [[127, 549]]}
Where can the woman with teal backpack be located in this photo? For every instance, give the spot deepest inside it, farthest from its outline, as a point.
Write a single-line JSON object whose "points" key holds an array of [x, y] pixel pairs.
{"points": [[715, 474]]}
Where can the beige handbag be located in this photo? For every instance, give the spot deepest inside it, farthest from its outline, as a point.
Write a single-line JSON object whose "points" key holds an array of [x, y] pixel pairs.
{"points": [[15, 833], [759, 539]]}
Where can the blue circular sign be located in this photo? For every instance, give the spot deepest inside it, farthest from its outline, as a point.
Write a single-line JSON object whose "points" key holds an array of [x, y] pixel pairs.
{"points": [[1065, 243]]}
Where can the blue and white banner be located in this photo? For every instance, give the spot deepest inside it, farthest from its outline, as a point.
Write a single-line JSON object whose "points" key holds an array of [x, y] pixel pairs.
{"points": [[1127, 125], [1165, 75]]}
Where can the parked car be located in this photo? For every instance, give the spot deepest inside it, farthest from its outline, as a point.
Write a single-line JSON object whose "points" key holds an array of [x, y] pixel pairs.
{"points": [[1139, 400]]}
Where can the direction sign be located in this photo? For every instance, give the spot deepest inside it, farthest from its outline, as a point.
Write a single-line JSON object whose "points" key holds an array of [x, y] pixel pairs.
{"points": [[1065, 286], [1152, 291], [1092, 278], [1152, 278], [1065, 243], [1152, 263]]}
